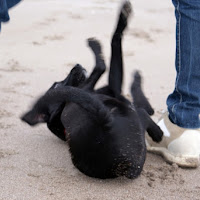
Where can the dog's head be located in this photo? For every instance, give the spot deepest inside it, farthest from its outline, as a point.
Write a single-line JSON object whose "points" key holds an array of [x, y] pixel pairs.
{"points": [[46, 111], [43, 111], [75, 78]]}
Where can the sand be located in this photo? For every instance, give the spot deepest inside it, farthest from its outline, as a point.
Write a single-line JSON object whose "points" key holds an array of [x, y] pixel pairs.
{"points": [[40, 44]]}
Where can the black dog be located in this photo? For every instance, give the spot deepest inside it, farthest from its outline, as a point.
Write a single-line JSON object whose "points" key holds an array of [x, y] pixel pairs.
{"points": [[105, 132]]}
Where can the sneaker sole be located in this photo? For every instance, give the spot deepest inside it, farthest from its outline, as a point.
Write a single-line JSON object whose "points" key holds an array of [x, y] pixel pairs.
{"points": [[182, 161]]}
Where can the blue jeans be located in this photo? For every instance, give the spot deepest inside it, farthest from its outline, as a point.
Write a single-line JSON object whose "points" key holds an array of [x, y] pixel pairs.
{"points": [[4, 6], [184, 103]]}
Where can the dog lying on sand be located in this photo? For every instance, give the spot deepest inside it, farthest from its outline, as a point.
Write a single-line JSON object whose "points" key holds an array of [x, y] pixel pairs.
{"points": [[104, 130]]}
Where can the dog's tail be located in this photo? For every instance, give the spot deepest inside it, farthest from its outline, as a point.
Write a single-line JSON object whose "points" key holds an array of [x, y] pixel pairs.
{"points": [[52, 100], [139, 99]]}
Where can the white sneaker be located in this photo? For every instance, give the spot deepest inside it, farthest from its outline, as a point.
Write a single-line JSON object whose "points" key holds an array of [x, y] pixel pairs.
{"points": [[179, 145]]}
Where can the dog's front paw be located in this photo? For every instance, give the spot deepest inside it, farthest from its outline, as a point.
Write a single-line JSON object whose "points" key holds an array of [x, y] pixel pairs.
{"points": [[95, 45], [126, 9]]}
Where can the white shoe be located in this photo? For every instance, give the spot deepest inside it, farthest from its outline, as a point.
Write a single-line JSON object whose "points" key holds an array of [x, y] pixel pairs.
{"points": [[178, 145]]}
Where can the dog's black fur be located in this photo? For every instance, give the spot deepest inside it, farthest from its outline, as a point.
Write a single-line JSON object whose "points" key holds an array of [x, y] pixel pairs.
{"points": [[105, 132]]}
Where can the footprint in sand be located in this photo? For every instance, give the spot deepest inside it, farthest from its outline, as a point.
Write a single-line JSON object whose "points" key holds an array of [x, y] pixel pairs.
{"points": [[21, 83], [38, 43], [74, 16], [48, 38], [163, 174], [14, 66], [16, 88], [34, 175], [48, 21], [157, 30], [54, 37], [4, 113], [7, 152], [9, 90], [140, 34]]}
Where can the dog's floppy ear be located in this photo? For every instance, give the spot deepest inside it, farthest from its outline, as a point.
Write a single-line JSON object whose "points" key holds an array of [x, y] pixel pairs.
{"points": [[33, 117], [45, 109]]}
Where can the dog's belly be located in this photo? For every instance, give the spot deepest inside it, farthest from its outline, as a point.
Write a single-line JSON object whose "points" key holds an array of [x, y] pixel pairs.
{"points": [[101, 154]]}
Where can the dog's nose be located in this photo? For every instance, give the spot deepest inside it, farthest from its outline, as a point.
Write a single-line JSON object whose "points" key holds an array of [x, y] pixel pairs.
{"points": [[83, 70], [78, 66]]}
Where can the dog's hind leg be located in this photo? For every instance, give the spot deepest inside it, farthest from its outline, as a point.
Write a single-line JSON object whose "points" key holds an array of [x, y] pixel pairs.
{"points": [[139, 99], [116, 64], [149, 125], [100, 66]]}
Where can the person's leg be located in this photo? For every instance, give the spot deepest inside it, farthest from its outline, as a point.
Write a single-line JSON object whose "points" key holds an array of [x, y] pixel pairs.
{"points": [[184, 103], [4, 6], [4, 17], [181, 124]]}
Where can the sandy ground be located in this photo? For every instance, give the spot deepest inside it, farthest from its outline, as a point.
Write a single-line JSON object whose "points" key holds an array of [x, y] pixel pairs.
{"points": [[40, 44]]}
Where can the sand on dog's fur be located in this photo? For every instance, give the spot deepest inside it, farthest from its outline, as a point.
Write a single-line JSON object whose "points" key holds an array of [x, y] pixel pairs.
{"points": [[40, 44]]}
